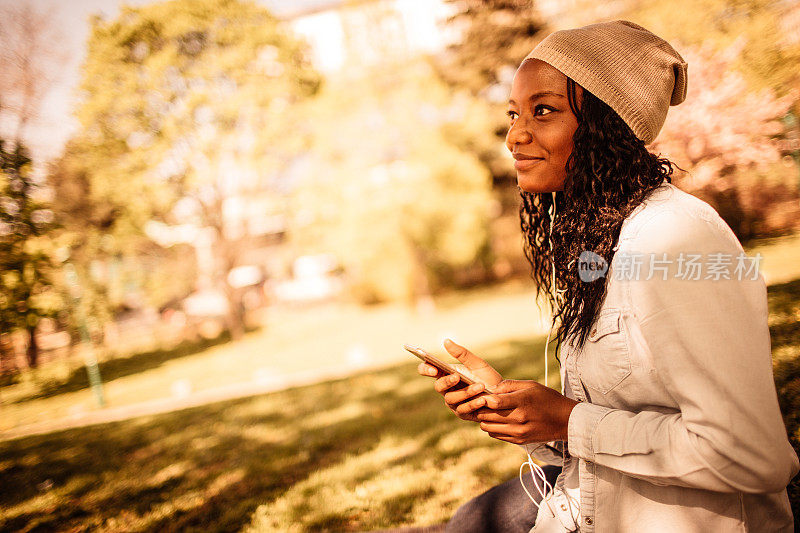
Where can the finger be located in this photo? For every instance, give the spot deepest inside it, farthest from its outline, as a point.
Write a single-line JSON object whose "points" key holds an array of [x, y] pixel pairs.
{"points": [[469, 359], [502, 417], [496, 427], [497, 402], [456, 397], [469, 417], [470, 406], [507, 438], [428, 370], [446, 382]]}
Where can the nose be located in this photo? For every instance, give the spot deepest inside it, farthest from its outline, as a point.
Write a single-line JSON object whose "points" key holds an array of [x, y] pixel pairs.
{"points": [[517, 134]]}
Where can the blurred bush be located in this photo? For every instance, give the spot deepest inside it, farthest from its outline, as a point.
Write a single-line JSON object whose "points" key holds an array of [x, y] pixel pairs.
{"points": [[728, 137], [386, 190]]}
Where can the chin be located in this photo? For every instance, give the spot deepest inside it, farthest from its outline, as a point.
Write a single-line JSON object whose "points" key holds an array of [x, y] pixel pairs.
{"points": [[531, 184]]}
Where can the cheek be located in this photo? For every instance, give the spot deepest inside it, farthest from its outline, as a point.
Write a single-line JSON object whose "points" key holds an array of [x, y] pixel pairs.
{"points": [[566, 151], [564, 144]]}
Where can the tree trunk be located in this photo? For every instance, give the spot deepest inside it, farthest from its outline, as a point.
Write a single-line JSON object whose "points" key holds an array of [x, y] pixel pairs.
{"points": [[33, 348], [229, 250], [423, 298], [8, 358], [236, 312]]}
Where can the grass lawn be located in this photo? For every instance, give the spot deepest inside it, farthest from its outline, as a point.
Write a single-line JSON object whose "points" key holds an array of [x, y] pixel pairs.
{"points": [[375, 450]]}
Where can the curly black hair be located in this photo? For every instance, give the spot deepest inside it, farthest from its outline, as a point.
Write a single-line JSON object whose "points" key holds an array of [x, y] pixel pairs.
{"points": [[609, 173]]}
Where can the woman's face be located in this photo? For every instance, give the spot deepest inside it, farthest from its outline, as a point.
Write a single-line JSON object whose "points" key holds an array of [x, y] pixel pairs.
{"points": [[542, 125]]}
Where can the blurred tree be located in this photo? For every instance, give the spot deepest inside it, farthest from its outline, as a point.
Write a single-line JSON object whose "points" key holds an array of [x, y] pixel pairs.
{"points": [[29, 66], [117, 268], [29, 63], [770, 46], [87, 227], [728, 136], [766, 34], [496, 35], [407, 208], [184, 117], [26, 249]]}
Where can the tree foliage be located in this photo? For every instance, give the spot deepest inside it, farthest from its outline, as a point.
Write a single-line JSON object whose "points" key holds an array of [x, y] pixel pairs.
{"points": [[407, 206], [495, 36], [728, 136], [770, 50], [26, 250], [188, 100]]}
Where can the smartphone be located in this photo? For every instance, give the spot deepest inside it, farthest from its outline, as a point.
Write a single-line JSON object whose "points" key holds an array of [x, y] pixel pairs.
{"points": [[447, 368]]}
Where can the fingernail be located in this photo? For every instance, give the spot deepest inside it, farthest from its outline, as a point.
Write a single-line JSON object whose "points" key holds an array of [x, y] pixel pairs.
{"points": [[453, 379]]}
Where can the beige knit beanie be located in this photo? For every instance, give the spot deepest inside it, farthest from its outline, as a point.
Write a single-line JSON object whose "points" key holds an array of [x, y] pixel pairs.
{"points": [[638, 74]]}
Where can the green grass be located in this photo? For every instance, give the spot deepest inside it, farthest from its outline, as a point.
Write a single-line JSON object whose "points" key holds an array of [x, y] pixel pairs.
{"points": [[375, 450], [785, 332], [61, 377], [781, 257]]}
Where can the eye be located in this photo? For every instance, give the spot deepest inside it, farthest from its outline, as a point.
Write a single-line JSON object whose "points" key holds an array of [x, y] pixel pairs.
{"points": [[538, 107], [512, 114]]}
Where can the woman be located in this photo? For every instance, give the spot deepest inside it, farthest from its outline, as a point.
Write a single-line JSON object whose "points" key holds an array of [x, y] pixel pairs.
{"points": [[669, 418]]}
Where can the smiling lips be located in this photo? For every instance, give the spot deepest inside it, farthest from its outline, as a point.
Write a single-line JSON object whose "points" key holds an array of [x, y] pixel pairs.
{"points": [[524, 162]]}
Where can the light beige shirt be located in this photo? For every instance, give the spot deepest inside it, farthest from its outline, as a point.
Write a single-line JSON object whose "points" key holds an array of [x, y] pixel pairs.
{"points": [[678, 429]]}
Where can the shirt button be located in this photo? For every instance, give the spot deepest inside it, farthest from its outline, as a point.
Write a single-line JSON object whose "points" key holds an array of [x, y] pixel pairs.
{"points": [[588, 520], [563, 507]]}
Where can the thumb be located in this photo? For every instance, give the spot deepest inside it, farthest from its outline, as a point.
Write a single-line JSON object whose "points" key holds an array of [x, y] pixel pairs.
{"points": [[469, 359]]}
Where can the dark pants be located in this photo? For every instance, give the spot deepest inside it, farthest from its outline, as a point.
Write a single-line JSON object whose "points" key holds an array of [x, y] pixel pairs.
{"points": [[504, 508]]}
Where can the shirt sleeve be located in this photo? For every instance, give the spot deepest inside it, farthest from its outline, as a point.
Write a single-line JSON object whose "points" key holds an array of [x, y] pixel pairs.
{"points": [[709, 342], [550, 453]]}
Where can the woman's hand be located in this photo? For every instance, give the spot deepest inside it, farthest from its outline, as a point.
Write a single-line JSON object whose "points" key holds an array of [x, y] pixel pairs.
{"points": [[521, 412], [450, 386]]}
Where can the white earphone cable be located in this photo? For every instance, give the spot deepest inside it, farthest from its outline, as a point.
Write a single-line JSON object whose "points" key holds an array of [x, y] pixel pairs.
{"points": [[544, 491]]}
